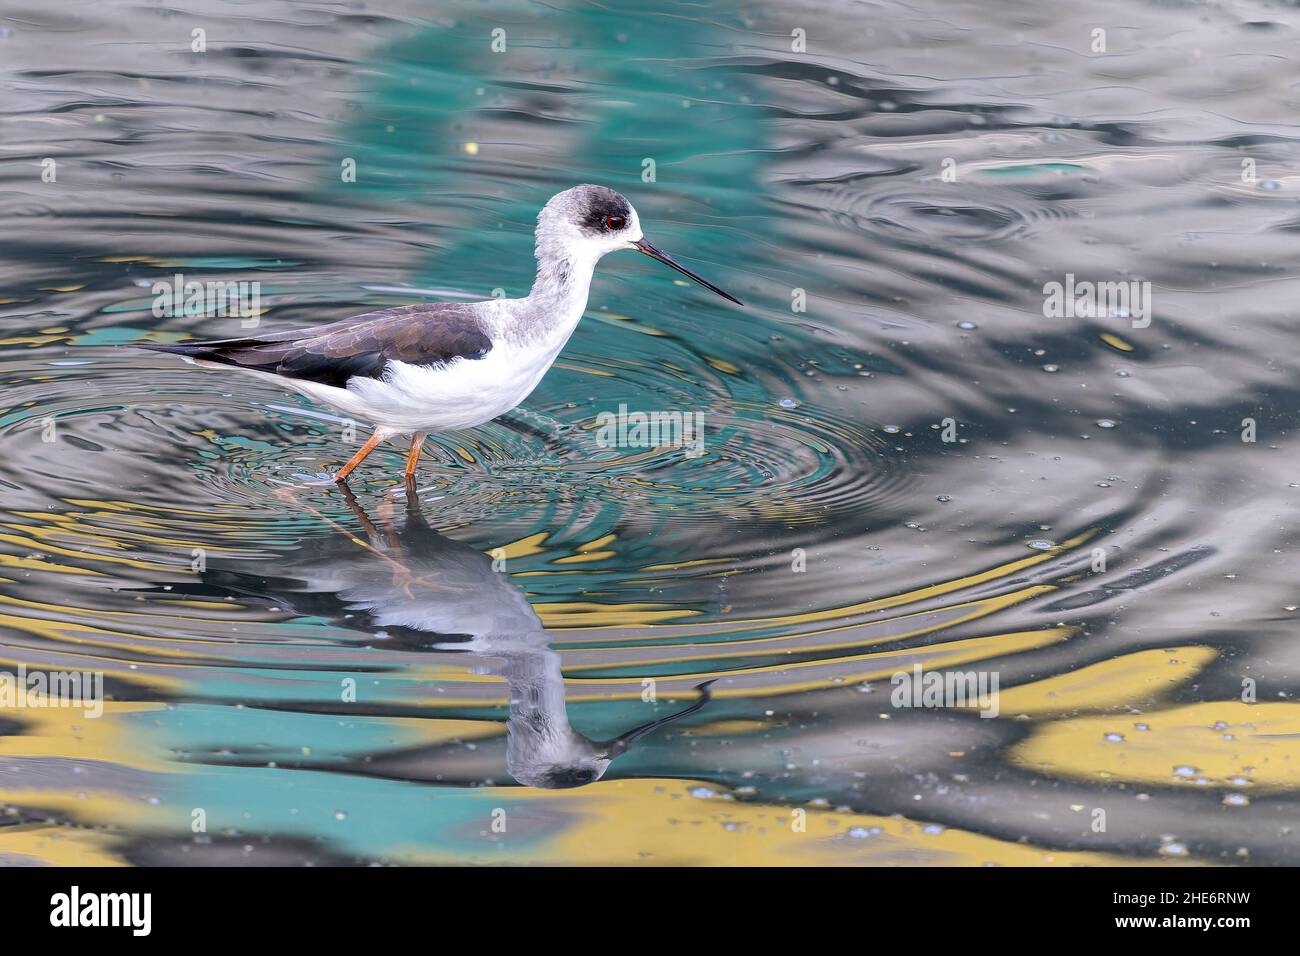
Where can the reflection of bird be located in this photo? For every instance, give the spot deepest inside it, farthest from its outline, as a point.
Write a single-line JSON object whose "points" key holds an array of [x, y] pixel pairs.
{"points": [[414, 578], [443, 366]]}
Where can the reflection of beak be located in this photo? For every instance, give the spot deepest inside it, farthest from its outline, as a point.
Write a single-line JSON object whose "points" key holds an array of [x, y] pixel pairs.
{"points": [[644, 245], [620, 744]]}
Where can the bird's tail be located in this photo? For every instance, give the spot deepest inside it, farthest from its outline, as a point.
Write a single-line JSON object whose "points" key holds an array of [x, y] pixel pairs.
{"points": [[220, 350]]}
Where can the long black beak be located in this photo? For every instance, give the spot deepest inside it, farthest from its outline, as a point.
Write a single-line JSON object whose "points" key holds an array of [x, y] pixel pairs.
{"points": [[654, 252], [620, 744]]}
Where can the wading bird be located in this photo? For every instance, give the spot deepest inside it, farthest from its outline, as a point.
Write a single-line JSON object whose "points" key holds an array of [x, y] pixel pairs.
{"points": [[444, 366]]}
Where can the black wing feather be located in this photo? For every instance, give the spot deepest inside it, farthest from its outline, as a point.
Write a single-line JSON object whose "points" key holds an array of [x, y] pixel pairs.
{"points": [[427, 334]]}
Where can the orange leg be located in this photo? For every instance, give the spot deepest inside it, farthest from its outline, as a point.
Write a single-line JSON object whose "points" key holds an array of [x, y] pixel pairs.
{"points": [[359, 457], [413, 456]]}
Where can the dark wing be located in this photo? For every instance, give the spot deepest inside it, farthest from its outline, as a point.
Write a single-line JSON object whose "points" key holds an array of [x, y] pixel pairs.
{"points": [[427, 334]]}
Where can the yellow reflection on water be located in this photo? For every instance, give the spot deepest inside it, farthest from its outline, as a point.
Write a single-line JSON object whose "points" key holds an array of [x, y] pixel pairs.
{"points": [[1225, 743], [668, 822], [1134, 680]]}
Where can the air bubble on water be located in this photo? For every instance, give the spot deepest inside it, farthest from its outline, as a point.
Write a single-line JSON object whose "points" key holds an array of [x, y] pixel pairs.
{"points": [[860, 833], [340, 815], [1042, 544], [1236, 800], [788, 403], [1185, 771], [1114, 738], [1173, 848], [1051, 368], [968, 326], [1123, 373], [892, 429], [703, 793], [933, 828], [943, 498], [1105, 423], [1272, 185]]}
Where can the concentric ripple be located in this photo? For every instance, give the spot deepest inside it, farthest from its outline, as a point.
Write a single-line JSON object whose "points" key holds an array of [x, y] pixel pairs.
{"points": [[905, 461], [231, 441]]}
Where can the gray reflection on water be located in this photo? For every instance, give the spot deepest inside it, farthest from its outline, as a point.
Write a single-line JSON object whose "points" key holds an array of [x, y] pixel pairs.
{"points": [[411, 577]]}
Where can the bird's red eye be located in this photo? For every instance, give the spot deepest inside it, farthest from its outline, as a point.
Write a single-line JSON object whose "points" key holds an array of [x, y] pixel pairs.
{"points": [[615, 222]]}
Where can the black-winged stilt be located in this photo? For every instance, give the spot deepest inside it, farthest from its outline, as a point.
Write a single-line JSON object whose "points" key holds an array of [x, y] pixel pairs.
{"points": [[444, 366]]}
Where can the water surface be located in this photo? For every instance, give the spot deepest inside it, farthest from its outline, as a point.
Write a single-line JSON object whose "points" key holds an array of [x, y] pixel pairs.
{"points": [[297, 675]]}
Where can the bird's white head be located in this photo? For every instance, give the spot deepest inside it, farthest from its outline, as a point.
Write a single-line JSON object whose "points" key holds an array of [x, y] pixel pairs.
{"points": [[581, 224], [588, 221]]}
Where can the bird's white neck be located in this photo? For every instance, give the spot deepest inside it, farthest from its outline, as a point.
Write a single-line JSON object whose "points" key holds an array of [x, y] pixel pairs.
{"points": [[558, 297]]}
